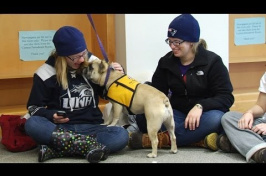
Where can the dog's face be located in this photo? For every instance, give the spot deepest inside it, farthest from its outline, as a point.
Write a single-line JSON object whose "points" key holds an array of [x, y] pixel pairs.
{"points": [[95, 71]]}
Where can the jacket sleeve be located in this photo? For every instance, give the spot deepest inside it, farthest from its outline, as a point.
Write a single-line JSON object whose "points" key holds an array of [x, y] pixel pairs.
{"points": [[38, 98], [159, 79], [220, 86]]}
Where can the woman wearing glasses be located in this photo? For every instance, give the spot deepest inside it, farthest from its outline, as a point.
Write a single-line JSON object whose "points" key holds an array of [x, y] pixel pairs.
{"points": [[198, 85], [58, 85]]}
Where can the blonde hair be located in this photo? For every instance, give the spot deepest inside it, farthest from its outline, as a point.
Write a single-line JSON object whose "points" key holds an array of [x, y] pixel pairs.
{"points": [[196, 45], [61, 69]]}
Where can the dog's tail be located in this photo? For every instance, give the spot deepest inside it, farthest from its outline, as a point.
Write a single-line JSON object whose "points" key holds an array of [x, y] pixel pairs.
{"points": [[168, 107], [166, 102]]}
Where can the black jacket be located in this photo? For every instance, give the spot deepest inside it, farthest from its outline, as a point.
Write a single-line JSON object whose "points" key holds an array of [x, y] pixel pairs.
{"points": [[47, 96], [208, 82]]}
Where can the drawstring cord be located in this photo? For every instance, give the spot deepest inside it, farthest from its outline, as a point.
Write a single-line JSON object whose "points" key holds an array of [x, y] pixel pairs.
{"points": [[71, 101], [94, 106]]}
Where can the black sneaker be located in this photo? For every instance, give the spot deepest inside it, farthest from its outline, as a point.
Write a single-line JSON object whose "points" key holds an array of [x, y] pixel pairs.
{"points": [[224, 144]]}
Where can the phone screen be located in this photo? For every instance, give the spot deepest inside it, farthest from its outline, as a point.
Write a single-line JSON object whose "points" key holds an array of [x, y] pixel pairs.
{"points": [[61, 113]]}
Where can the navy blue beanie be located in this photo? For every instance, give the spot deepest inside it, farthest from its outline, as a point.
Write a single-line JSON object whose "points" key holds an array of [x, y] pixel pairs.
{"points": [[69, 41], [184, 27]]}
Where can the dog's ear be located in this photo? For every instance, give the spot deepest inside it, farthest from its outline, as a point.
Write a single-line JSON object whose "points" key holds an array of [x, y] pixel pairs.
{"points": [[87, 68], [103, 66]]}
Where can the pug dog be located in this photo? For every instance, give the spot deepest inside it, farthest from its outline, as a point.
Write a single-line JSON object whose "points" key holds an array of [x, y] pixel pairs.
{"points": [[129, 96]]}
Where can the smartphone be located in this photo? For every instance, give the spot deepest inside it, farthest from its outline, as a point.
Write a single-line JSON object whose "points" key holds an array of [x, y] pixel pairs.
{"points": [[61, 113]]}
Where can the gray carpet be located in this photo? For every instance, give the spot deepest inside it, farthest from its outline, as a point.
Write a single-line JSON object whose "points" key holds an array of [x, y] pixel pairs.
{"points": [[184, 155]]}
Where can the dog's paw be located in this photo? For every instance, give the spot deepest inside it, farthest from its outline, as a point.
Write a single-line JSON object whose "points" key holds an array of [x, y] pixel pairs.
{"points": [[151, 155], [173, 148], [173, 151]]}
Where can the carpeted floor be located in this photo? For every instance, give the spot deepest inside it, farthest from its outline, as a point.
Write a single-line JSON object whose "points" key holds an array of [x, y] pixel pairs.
{"points": [[184, 155]]}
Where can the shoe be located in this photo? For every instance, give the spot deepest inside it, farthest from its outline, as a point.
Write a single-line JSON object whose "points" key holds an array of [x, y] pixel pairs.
{"points": [[208, 142], [135, 140], [106, 153], [224, 144], [139, 140], [95, 155], [46, 153], [260, 156]]}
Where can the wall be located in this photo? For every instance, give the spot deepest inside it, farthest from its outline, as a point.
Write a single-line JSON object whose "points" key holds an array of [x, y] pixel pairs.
{"points": [[140, 44], [140, 39], [247, 64], [16, 75]]}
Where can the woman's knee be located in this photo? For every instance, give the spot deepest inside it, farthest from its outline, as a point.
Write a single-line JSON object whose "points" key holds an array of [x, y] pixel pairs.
{"points": [[115, 138], [230, 117], [29, 124], [39, 128]]}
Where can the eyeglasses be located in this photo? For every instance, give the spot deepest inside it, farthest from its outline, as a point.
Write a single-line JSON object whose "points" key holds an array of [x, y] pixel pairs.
{"points": [[75, 58], [175, 42]]}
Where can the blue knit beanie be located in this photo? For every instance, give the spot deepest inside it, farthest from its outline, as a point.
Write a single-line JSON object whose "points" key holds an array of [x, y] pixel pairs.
{"points": [[184, 27], [69, 41]]}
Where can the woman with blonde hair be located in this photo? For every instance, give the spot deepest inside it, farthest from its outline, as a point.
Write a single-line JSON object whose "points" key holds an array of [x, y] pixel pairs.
{"points": [[63, 105]]}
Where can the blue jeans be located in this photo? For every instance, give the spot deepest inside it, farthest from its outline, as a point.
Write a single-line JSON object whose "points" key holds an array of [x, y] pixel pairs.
{"points": [[41, 129], [210, 122]]}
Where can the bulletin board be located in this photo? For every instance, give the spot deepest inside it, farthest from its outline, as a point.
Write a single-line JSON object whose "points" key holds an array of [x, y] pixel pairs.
{"points": [[10, 24], [245, 53]]}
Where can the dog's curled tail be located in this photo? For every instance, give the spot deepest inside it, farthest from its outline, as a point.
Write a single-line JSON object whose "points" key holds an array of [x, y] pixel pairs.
{"points": [[168, 107], [166, 102]]}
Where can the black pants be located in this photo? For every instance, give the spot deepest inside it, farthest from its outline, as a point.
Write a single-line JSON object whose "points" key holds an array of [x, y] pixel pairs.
{"points": [[141, 122]]}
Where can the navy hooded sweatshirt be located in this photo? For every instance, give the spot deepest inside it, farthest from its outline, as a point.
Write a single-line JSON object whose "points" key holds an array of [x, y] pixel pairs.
{"points": [[80, 100]]}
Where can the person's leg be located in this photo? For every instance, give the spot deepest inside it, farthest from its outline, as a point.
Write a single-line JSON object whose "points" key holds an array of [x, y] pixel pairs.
{"points": [[63, 142], [140, 139], [133, 126], [141, 122], [68, 143], [210, 122], [245, 141], [224, 144], [115, 138], [40, 129]]}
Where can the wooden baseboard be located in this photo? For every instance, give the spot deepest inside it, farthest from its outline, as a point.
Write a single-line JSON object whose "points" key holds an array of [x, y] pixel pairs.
{"points": [[13, 110], [244, 100], [21, 109]]}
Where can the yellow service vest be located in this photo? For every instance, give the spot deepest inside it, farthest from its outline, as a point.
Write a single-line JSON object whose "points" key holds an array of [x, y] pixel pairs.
{"points": [[122, 90]]}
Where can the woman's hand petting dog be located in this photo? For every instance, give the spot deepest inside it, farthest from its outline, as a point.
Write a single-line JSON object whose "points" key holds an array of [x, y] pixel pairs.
{"points": [[117, 67]]}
